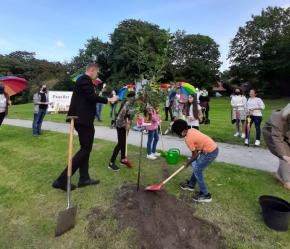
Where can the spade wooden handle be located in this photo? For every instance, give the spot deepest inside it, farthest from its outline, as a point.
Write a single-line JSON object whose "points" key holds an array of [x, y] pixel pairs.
{"points": [[70, 146], [162, 142], [127, 133], [174, 174]]}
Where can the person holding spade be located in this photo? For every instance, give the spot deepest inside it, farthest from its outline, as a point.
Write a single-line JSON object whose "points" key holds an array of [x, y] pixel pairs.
{"points": [[204, 152], [83, 106]]}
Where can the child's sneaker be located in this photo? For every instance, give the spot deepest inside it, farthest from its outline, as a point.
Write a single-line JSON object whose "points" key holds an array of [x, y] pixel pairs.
{"points": [[237, 134], [157, 154], [151, 157], [185, 186], [243, 136], [246, 141], [200, 197], [127, 163], [113, 167], [257, 143]]}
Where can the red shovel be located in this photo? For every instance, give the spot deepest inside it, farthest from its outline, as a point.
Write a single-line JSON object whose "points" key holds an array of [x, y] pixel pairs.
{"points": [[158, 187]]}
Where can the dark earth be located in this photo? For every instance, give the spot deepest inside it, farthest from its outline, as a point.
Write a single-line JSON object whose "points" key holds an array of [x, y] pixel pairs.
{"points": [[163, 222]]}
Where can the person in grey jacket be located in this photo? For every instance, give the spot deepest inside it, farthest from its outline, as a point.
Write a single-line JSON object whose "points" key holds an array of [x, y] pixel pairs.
{"points": [[276, 133], [40, 101], [123, 124]]}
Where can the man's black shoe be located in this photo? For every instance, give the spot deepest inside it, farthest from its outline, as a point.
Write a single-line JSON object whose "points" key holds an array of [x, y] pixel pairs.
{"points": [[113, 167], [88, 182], [57, 185]]}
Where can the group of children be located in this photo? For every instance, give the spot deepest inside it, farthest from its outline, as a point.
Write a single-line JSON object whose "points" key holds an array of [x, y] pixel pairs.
{"points": [[204, 149], [194, 111], [245, 112]]}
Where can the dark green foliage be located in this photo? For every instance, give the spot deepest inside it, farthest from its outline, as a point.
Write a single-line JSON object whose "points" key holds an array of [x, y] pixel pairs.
{"points": [[24, 64], [138, 50], [95, 50], [195, 59], [260, 51]]}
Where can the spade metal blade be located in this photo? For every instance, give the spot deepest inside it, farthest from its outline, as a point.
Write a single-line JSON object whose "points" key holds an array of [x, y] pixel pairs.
{"points": [[66, 220], [154, 188]]}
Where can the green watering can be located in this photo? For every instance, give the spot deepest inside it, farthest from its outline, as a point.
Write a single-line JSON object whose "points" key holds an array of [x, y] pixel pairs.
{"points": [[172, 156]]}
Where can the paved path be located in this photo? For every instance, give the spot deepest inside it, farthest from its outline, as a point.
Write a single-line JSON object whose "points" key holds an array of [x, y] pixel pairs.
{"points": [[251, 157]]}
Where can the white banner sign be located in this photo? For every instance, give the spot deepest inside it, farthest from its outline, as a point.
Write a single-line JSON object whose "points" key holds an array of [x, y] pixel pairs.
{"points": [[59, 101]]}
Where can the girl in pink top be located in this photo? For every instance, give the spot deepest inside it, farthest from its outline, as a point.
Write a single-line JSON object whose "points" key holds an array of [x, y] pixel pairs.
{"points": [[152, 129]]}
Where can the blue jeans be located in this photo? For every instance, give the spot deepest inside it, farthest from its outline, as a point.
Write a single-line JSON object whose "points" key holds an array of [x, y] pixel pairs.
{"points": [[99, 108], [113, 112], [153, 138], [37, 121], [198, 166], [257, 120]]}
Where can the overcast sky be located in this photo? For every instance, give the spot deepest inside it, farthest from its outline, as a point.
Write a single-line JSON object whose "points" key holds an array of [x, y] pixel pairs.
{"points": [[57, 29]]}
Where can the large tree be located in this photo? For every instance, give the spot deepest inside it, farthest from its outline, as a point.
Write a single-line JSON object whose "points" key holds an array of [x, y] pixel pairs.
{"points": [[37, 72], [138, 50], [95, 50], [195, 58], [260, 50]]}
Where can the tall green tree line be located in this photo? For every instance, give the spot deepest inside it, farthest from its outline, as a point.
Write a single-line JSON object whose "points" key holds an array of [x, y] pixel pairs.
{"points": [[260, 52]]}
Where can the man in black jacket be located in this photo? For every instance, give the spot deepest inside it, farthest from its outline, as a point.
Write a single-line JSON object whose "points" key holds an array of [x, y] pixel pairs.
{"points": [[83, 105]]}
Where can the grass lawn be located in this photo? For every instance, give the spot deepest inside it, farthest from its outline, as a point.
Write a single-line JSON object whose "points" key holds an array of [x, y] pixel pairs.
{"points": [[220, 127], [29, 206]]}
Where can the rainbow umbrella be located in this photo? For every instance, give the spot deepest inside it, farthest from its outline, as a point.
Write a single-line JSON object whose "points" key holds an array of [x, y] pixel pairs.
{"points": [[124, 91], [95, 81], [186, 88], [13, 85]]}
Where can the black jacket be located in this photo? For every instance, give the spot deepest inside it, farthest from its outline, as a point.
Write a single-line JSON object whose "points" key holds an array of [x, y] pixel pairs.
{"points": [[83, 102]]}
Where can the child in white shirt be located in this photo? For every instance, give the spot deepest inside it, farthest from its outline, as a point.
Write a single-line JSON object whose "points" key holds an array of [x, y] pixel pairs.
{"points": [[238, 103], [254, 107]]}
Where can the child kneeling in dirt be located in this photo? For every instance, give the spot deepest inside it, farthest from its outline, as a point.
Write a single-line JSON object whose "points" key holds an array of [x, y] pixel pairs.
{"points": [[204, 152]]}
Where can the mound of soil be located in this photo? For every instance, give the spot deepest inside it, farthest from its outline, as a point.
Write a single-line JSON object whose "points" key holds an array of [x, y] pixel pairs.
{"points": [[163, 222]]}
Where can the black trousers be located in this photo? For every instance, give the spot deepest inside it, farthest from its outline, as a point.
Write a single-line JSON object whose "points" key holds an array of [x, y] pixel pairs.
{"points": [[206, 113], [2, 116], [168, 110], [121, 145], [195, 127], [81, 158]]}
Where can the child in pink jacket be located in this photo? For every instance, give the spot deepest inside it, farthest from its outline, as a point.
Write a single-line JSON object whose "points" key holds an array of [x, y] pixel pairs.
{"points": [[153, 136]]}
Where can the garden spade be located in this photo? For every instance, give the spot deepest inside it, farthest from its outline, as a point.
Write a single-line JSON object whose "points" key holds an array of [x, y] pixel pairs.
{"points": [[249, 127], [163, 153], [140, 157], [158, 187], [67, 218], [127, 133]]}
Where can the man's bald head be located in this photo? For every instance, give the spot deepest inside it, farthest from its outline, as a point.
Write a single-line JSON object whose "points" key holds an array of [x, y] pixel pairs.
{"points": [[92, 70]]}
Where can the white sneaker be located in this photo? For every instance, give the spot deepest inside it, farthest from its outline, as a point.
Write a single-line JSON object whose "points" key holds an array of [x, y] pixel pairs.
{"points": [[243, 135], [237, 134], [151, 157], [157, 154], [247, 141], [257, 143]]}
